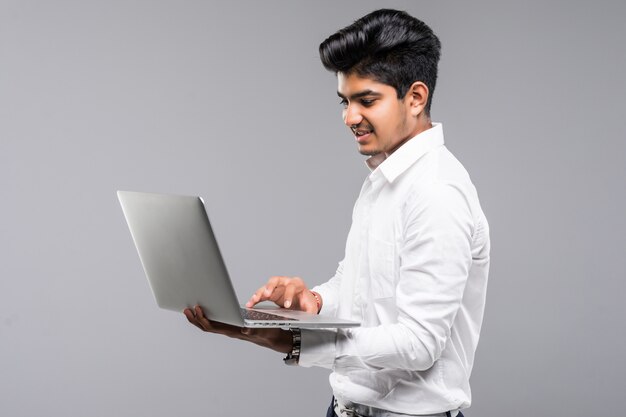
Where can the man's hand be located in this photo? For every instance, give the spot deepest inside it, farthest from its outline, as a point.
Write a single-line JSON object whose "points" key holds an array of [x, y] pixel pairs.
{"points": [[286, 292], [275, 339]]}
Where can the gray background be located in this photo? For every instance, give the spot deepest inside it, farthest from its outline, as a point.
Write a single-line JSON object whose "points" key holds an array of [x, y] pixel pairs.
{"points": [[228, 100]]}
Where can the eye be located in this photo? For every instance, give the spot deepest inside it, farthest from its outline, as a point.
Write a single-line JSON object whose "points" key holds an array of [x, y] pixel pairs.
{"points": [[367, 102], [344, 103]]}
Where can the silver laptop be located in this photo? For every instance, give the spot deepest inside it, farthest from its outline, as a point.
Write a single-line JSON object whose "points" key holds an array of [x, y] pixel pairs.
{"points": [[182, 261]]}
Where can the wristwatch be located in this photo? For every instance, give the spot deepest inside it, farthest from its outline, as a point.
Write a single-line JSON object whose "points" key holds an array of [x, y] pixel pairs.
{"points": [[293, 357]]}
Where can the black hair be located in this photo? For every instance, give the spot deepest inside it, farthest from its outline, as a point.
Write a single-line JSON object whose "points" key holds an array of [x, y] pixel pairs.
{"points": [[389, 46]]}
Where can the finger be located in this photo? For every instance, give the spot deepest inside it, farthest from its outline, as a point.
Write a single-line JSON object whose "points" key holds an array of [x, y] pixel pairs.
{"points": [[272, 283], [198, 312], [288, 296], [257, 297], [191, 318], [277, 295], [271, 291], [202, 320]]}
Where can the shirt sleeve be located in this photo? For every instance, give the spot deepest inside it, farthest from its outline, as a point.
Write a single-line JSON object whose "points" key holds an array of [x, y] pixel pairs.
{"points": [[434, 258], [329, 291], [318, 346]]}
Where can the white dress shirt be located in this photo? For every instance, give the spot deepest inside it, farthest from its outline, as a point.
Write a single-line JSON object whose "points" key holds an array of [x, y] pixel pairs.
{"points": [[415, 274]]}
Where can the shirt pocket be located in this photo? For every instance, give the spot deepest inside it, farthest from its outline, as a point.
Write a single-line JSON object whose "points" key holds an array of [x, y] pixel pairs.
{"points": [[382, 268]]}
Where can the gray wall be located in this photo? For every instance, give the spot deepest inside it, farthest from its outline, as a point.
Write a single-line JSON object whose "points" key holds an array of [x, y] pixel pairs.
{"points": [[228, 100]]}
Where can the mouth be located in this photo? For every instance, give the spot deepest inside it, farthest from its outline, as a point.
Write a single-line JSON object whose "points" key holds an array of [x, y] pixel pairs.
{"points": [[361, 133]]}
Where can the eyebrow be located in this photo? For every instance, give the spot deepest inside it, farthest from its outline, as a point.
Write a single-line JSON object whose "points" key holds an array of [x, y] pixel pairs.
{"points": [[360, 94]]}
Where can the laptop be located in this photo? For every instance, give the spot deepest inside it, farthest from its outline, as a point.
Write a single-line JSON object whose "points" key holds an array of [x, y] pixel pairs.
{"points": [[184, 266]]}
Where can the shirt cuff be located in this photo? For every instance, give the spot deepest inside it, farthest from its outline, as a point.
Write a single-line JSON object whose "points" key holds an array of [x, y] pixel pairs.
{"points": [[329, 300], [317, 348]]}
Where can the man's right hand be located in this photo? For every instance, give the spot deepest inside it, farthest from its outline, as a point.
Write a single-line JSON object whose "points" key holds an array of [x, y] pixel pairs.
{"points": [[286, 292]]}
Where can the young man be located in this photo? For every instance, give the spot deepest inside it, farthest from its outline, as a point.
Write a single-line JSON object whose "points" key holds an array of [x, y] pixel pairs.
{"points": [[417, 254]]}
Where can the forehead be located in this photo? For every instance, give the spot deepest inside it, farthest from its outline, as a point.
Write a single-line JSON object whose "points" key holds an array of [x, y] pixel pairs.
{"points": [[350, 84]]}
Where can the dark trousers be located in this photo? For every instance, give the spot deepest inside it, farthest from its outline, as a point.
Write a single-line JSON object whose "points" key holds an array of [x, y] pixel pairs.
{"points": [[331, 411]]}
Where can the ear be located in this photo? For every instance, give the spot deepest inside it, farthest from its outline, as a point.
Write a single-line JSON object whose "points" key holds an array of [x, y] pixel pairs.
{"points": [[416, 98]]}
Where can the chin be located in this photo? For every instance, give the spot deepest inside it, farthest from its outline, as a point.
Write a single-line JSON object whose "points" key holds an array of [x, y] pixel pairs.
{"points": [[368, 151]]}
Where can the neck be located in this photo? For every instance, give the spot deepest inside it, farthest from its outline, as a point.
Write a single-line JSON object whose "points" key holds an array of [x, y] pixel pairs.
{"points": [[422, 124]]}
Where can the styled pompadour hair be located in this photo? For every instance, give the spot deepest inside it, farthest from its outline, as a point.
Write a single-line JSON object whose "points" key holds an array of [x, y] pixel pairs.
{"points": [[389, 46]]}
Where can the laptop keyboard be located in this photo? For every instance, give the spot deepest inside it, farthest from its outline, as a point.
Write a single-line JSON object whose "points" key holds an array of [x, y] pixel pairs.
{"points": [[258, 315]]}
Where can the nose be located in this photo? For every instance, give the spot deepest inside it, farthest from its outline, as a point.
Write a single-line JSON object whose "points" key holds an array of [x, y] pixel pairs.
{"points": [[351, 115]]}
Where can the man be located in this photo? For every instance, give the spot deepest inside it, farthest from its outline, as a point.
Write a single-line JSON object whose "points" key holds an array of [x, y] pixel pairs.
{"points": [[417, 254]]}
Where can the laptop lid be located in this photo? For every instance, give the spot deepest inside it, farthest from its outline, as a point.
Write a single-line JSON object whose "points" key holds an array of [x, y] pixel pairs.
{"points": [[182, 261]]}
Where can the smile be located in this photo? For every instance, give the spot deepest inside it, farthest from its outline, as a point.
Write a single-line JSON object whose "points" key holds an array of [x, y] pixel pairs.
{"points": [[361, 131], [362, 136]]}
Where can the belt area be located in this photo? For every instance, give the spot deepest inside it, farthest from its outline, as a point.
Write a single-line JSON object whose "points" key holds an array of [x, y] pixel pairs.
{"points": [[359, 410]]}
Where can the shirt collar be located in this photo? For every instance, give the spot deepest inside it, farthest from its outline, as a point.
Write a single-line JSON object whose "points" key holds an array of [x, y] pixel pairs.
{"points": [[406, 155]]}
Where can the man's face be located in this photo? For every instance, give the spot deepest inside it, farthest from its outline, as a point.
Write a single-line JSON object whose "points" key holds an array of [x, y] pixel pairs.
{"points": [[379, 121]]}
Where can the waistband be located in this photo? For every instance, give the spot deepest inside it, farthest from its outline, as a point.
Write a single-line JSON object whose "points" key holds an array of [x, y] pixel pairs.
{"points": [[349, 409]]}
